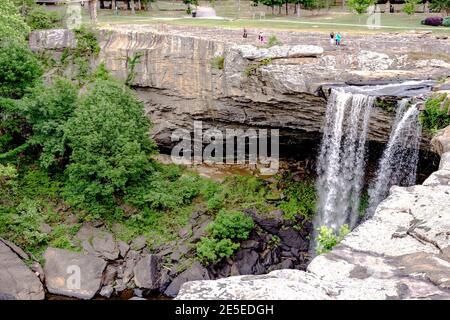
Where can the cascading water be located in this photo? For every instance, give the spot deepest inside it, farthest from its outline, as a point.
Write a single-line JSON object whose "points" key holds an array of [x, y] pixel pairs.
{"points": [[398, 165], [341, 161]]}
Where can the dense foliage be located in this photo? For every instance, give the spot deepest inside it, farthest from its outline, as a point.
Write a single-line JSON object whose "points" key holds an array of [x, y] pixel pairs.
{"points": [[410, 6], [19, 69], [108, 136], [37, 17], [436, 114], [327, 238], [224, 234], [360, 6], [12, 25], [441, 5]]}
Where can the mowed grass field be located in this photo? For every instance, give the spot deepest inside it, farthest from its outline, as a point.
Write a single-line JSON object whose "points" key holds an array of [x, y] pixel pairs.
{"points": [[173, 13]]}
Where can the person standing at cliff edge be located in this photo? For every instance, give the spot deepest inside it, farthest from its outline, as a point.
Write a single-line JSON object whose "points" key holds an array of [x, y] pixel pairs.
{"points": [[338, 39]]}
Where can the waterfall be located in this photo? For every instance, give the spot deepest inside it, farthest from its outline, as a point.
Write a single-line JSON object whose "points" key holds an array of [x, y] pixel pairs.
{"points": [[341, 161], [398, 165]]}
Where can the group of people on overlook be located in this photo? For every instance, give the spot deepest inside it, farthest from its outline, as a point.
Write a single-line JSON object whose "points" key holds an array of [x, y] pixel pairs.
{"points": [[335, 39]]}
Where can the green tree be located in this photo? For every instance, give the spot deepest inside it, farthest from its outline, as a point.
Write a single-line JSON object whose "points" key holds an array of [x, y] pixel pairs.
{"points": [[12, 25], [410, 6], [19, 69], [108, 135], [360, 6], [37, 17], [47, 109], [441, 5]]}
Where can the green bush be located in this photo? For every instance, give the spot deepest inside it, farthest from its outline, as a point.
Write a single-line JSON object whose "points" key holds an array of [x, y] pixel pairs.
{"points": [[273, 41], [19, 69], [38, 17], [232, 225], [47, 109], [300, 200], [108, 135], [213, 250], [218, 62], [327, 238], [224, 234], [436, 114], [12, 25]]}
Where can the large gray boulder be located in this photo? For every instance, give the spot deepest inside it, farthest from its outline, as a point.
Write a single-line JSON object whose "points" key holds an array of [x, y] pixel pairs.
{"points": [[195, 272], [17, 281], [73, 274], [98, 242], [146, 272]]}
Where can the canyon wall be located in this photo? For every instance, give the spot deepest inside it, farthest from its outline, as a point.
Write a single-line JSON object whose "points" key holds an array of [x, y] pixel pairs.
{"points": [[283, 87]]}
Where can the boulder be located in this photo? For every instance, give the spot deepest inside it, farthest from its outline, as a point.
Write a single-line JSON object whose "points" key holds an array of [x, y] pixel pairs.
{"points": [[98, 242], [73, 274], [139, 243], [146, 272], [17, 281], [195, 272], [55, 39]]}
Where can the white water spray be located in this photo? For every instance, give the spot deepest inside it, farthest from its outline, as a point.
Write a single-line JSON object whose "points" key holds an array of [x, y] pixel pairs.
{"points": [[398, 165], [341, 161]]}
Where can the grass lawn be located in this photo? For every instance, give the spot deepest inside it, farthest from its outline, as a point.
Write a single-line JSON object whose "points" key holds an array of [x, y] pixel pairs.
{"points": [[173, 14]]}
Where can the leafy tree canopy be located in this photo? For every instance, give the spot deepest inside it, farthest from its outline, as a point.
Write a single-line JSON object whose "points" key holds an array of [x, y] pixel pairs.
{"points": [[12, 25], [108, 135]]}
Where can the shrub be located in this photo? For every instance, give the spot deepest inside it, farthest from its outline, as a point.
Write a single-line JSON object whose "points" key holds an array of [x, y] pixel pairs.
{"points": [[47, 109], [436, 114], [446, 22], [432, 21], [218, 62], [19, 69], [300, 200], [213, 250], [327, 238], [233, 225], [360, 6], [40, 18], [224, 232], [273, 41], [108, 135], [410, 6], [12, 25]]}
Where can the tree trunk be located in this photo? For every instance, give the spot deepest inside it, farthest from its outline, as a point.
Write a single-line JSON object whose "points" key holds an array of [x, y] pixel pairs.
{"points": [[139, 6], [297, 6], [287, 8], [279, 9], [113, 4], [93, 11], [132, 7], [343, 4]]}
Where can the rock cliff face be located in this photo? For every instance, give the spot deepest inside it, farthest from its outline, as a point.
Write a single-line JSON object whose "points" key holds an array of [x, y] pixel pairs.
{"points": [[403, 252], [282, 87]]}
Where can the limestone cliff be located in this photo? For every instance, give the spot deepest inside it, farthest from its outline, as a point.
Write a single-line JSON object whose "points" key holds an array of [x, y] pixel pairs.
{"points": [[283, 87]]}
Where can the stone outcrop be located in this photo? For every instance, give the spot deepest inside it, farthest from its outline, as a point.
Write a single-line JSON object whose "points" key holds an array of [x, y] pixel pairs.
{"points": [[403, 252], [73, 274], [17, 281], [278, 87]]}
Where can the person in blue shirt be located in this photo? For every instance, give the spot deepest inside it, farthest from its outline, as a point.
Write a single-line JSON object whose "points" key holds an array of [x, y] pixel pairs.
{"points": [[338, 39]]}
